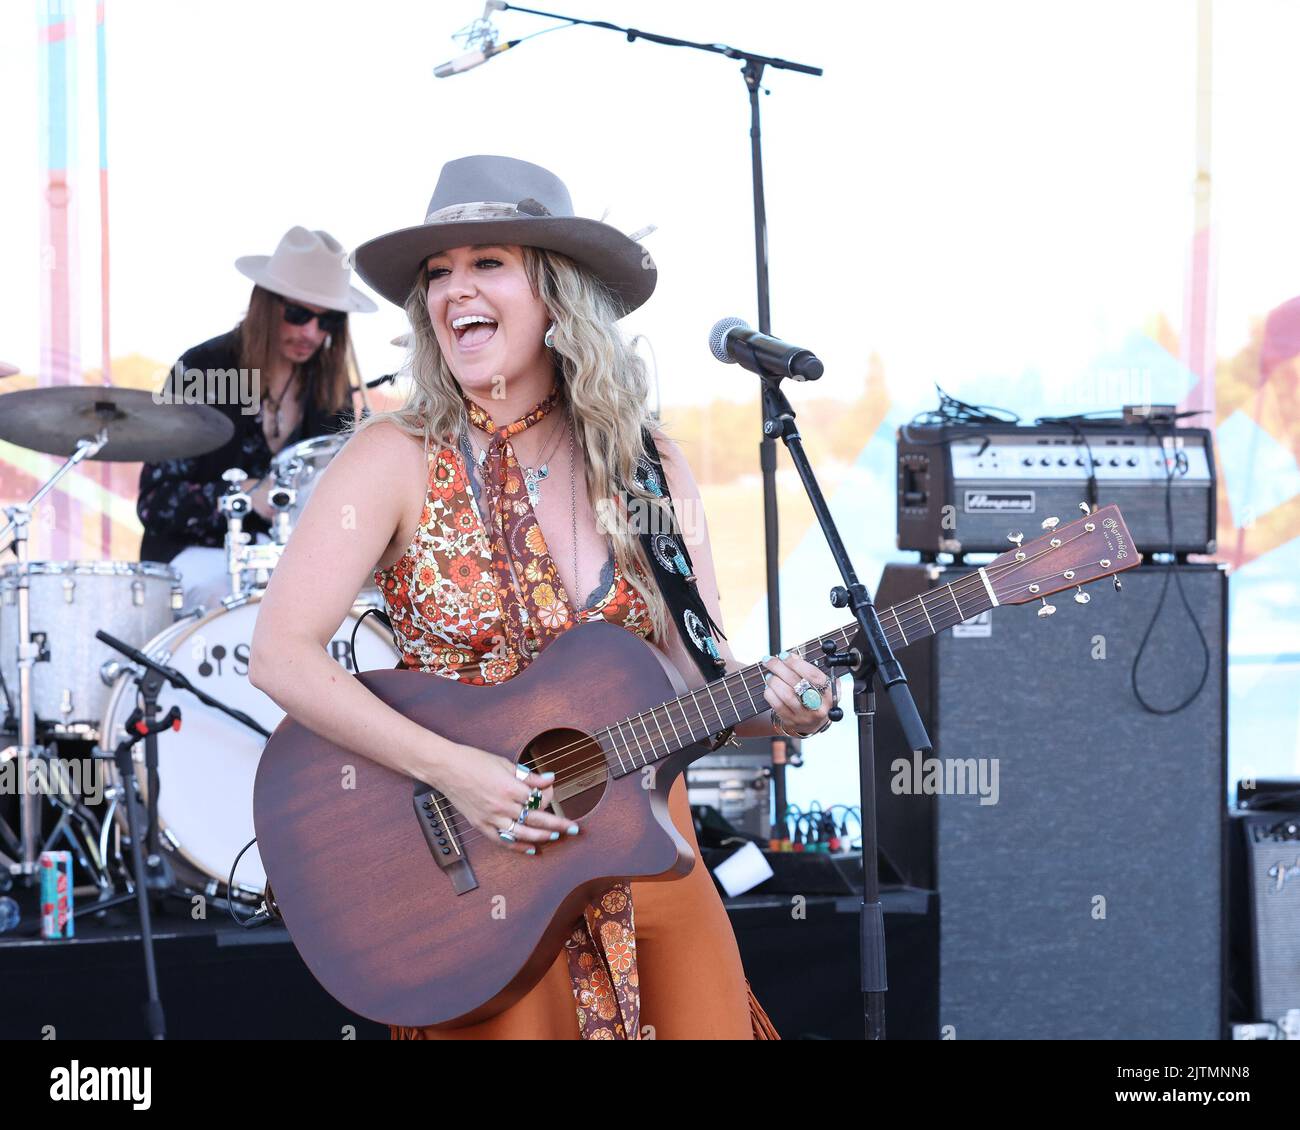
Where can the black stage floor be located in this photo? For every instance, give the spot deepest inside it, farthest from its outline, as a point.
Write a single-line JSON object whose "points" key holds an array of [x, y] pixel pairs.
{"points": [[218, 981]]}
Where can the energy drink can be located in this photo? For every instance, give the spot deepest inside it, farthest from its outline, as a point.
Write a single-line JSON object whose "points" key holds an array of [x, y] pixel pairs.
{"points": [[56, 894]]}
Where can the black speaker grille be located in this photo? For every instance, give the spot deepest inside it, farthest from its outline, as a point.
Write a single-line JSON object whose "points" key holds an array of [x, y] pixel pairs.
{"points": [[1087, 902]]}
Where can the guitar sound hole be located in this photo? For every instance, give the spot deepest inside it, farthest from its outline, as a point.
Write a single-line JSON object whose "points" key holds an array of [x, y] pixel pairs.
{"points": [[578, 763]]}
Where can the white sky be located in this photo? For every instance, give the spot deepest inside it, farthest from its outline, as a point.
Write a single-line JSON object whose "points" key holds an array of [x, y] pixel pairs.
{"points": [[971, 190]]}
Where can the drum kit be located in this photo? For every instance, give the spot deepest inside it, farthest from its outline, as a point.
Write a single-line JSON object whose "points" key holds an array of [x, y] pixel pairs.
{"points": [[67, 690]]}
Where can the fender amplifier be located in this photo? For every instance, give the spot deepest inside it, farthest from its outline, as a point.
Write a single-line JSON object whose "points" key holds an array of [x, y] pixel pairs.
{"points": [[1267, 851]]}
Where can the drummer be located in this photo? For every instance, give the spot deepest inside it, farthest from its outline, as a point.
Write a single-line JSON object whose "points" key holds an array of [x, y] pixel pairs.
{"points": [[298, 372]]}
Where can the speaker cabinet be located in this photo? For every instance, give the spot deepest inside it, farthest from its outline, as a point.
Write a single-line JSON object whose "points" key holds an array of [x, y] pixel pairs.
{"points": [[1076, 840]]}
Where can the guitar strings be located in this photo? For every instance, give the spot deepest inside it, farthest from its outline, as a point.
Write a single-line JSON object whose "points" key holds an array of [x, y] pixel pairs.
{"points": [[594, 771]]}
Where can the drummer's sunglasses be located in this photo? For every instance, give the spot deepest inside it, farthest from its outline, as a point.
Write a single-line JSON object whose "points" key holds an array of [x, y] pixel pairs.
{"points": [[330, 321]]}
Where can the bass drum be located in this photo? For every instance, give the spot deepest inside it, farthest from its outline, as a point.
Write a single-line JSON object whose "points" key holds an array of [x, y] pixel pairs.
{"points": [[206, 769]]}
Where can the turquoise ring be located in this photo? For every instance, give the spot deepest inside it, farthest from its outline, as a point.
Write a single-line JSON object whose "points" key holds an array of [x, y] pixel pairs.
{"points": [[811, 698]]}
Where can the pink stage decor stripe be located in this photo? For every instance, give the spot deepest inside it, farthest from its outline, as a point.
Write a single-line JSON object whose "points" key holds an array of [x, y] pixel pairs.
{"points": [[60, 361]]}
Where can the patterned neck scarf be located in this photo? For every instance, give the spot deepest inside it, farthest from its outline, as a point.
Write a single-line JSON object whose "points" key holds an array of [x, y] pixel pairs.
{"points": [[516, 535]]}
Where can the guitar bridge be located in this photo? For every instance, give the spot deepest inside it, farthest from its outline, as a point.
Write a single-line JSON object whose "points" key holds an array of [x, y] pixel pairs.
{"points": [[436, 817]]}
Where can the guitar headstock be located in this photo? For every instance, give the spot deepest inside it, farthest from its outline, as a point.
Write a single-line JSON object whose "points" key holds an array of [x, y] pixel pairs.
{"points": [[1095, 546]]}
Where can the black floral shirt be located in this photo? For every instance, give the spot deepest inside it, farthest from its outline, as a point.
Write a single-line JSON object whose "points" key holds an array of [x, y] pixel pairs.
{"points": [[177, 504]]}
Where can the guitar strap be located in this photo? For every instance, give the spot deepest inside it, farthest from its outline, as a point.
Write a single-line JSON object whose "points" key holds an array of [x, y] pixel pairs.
{"points": [[674, 573]]}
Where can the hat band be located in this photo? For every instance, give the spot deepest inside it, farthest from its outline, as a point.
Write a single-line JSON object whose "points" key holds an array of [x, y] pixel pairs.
{"points": [[486, 210]]}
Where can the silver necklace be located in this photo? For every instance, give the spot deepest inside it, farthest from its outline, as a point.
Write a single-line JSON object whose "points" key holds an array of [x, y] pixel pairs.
{"points": [[277, 401], [573, 510], [533, 477]]}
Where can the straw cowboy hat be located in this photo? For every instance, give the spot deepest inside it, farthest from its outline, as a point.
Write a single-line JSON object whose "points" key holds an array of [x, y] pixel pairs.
{"points": [[486, 199], [310, 266]]}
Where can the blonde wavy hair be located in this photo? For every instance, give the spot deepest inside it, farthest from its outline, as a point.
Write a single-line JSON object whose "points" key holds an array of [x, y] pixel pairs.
{"points": [[602, 379]]}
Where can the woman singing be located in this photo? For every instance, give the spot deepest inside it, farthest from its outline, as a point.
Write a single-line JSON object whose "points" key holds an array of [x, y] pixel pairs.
{"points": [[478, 509]]}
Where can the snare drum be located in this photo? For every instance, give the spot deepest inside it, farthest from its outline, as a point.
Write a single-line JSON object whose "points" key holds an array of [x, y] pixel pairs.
{"points": [[69, 602], [206, 770]]}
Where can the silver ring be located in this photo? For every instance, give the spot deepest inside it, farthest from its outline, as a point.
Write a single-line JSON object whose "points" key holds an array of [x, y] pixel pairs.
{"points": [[816, 703], [523, 816], [801, 686], [506, 834]]}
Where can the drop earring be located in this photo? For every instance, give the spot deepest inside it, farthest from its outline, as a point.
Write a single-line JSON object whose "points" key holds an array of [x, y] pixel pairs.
{"points": [[548, 338]]}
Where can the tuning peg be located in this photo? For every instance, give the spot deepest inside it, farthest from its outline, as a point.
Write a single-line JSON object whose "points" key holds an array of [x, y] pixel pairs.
{"points": [[1047, 609], [1081, 597], [1084, 507], [1051, 523], [1118, 586], [1015, 537]]}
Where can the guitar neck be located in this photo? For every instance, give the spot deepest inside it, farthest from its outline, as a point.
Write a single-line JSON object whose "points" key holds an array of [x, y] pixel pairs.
{"points": [[654, 734]]}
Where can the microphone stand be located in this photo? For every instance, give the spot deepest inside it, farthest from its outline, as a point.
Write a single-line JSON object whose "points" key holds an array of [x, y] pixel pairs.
{"points": [[155, 870], [752, 73], [868, 656], [141, 724], [180, 682]]}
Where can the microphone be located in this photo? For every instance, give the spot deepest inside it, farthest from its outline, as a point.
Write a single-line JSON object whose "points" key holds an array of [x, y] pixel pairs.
{"points": [[471, 60], [734, 342]]}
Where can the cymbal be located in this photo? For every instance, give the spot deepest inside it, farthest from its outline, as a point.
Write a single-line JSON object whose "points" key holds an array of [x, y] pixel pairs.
{"points": [[139, 428]]}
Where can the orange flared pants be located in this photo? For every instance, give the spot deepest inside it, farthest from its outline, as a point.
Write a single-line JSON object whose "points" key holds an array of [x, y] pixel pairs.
{"points": [[692, 983]]}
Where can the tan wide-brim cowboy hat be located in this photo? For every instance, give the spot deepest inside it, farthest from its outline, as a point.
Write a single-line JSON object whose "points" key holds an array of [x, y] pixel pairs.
{"points": [[486, 199], [309, 266]]}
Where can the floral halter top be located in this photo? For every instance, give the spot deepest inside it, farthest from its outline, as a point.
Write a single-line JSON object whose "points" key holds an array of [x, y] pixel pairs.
{"points": [[478, 600]]}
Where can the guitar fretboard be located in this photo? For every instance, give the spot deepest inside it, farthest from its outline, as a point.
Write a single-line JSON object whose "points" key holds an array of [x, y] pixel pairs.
{"points": [[654, 734]]}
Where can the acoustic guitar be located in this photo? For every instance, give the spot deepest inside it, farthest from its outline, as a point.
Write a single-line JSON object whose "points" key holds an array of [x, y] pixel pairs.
{"points": [[408, 915]]}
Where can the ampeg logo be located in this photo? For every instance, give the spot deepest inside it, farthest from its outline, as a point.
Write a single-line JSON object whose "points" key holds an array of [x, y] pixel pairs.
{"points": [[999, 502]]}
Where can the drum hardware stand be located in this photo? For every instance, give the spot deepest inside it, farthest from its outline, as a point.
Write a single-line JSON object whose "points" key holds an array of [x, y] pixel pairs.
{"points": [[870, 656], [282, 497], [29, 652], [84, 835], [243, 557]]}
